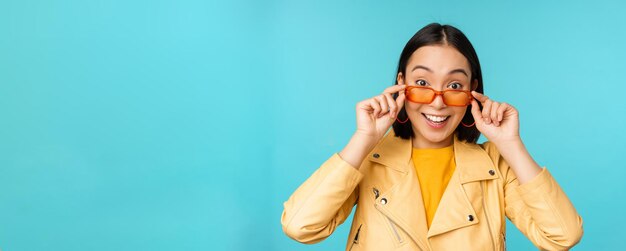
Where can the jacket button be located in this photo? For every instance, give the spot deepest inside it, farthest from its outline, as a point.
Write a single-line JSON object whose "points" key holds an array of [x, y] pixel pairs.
{"points": [[376, 155], [492, 172], [470, 217], [383, 201]]}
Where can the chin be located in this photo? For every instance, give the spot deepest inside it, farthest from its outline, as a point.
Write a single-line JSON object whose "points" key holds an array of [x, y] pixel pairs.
{"points": [[437, 137]]}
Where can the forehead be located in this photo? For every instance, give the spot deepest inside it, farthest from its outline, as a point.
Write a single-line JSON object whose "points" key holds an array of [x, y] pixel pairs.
{"points": [[439, 58]]}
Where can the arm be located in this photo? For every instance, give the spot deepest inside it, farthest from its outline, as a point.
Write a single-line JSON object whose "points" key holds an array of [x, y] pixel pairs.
{"points": [[325, 200], [539, 208], [322, 202], [523, 165], [534, 201]]}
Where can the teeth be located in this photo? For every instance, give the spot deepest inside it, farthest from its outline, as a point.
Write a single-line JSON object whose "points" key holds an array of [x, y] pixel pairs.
{"points": [[436, 118]]}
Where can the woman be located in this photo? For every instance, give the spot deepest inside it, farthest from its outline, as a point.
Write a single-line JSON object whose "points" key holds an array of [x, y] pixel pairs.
{"points": [[427, 185]]}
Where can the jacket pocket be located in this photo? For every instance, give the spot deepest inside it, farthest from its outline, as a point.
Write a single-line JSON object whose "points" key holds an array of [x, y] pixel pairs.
{"points": [[355, 239], [395, 231]]}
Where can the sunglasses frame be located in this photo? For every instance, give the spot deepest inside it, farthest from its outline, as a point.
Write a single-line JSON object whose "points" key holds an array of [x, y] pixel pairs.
{"points": [[437, 93]]}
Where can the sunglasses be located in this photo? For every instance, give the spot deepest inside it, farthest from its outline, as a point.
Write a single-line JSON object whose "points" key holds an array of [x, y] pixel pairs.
{"points": [[426, 95]]}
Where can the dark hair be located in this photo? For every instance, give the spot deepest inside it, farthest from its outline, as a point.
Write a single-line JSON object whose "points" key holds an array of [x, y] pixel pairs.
{"points": [[434, 34]]}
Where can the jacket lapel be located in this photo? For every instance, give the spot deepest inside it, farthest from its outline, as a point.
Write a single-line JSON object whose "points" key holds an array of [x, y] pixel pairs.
{"points": [[455, 209], [404, 205]]}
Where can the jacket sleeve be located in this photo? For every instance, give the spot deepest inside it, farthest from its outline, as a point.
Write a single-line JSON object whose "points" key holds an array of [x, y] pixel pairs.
{"points": [[539, 208], [322, 202]]}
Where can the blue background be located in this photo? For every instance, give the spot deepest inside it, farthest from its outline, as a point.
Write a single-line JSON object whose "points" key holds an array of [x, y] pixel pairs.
{"points": [[184, 125]]}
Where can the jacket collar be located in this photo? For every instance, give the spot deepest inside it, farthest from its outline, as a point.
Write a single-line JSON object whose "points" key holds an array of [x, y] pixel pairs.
{"points": [[393, 152], [472, 162]]}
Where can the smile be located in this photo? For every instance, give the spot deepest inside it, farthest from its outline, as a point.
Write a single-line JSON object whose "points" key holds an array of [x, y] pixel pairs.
{"points": [[435, 118]]}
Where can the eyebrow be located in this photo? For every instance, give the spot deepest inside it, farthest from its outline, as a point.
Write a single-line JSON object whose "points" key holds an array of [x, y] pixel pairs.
{"points": [[429, 70]]}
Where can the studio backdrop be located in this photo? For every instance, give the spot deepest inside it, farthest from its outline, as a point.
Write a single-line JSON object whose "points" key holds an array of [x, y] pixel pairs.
{"points": [[184, 125]]}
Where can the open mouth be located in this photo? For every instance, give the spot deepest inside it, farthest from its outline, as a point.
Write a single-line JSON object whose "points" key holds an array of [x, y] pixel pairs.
{"points": [[436, 120]]}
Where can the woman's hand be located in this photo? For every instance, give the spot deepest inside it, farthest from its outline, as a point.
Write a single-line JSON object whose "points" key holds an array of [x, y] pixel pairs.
{"points": [[499, 122], [375, 115]]}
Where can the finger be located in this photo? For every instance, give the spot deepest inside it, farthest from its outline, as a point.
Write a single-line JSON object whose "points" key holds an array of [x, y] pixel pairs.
{"points": [[487, 111], [393, 107], [394, 89], [503, 107], [363, 105], [476, 112], [374, 104], [481, 97], [383, 105], [494, 113], [400, 100]]}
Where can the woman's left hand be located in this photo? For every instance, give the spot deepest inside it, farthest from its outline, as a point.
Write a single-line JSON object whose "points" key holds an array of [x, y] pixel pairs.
{"points": [[499, 122]]}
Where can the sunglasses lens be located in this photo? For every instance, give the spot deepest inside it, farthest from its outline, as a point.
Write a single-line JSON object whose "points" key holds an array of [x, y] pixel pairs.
{"points": [[456, 98], [420, 95]]}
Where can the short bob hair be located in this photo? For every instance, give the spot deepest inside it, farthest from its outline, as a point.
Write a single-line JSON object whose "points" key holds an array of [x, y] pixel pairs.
{"points": [[437, 34]]}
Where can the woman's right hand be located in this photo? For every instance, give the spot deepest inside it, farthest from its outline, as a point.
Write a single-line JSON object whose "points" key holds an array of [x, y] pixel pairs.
{"points": [[375, 115]]}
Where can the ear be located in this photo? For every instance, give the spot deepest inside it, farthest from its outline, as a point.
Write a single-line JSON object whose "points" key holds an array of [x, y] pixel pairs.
{"points": [[400, 79], [474, 84]]}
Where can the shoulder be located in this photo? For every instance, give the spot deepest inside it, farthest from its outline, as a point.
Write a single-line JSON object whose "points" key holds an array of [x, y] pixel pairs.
{"points": [[497, 159], [490, 148], [485, 148], [486, 151]]}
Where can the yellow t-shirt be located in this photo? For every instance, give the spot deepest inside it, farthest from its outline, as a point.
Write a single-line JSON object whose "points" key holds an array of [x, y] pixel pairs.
{"points": [[434, 169]]}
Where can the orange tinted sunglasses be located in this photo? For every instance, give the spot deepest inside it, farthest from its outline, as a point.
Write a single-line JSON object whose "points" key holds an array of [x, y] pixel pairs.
{"points": [[426, 95]]}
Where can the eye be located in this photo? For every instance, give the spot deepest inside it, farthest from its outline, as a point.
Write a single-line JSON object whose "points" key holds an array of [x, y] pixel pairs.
{"points": [[455, 86], [421, 82]]}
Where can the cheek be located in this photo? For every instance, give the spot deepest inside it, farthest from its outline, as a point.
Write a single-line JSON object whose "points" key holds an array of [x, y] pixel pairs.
{"points": [[459, 112], [412, 107]]}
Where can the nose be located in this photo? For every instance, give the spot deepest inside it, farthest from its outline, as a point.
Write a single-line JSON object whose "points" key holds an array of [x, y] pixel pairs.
{"points": [[438, 102]]}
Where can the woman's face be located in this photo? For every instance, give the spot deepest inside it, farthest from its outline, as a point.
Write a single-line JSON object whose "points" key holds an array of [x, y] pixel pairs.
{"points": [[440, 67]]}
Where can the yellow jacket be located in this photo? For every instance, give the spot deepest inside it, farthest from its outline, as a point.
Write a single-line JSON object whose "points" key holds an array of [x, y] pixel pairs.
{"points": [[390, 213]]}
